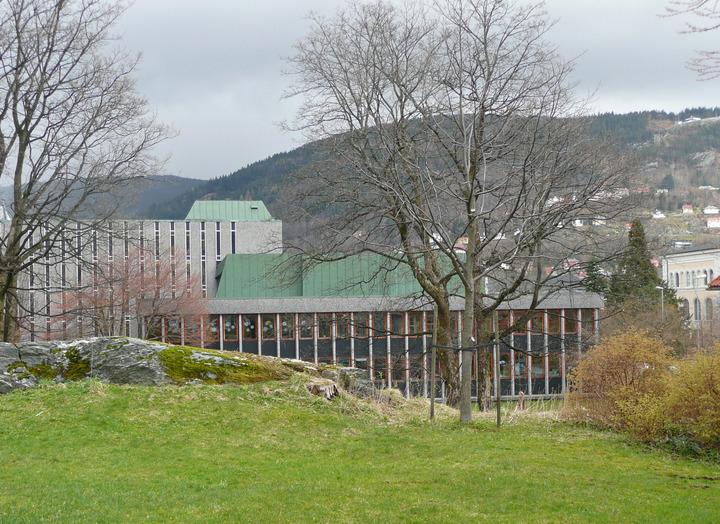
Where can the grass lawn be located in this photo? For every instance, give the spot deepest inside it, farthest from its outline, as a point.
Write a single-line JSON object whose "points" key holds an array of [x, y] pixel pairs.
{"points": [[89, 452]]}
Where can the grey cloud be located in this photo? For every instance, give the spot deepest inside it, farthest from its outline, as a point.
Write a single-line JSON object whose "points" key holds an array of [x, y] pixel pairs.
{"points": [[212, 68]]}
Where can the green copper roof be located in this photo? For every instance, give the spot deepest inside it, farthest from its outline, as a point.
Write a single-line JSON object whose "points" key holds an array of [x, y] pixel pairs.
{"points": [[229, 211], [283, 276]]}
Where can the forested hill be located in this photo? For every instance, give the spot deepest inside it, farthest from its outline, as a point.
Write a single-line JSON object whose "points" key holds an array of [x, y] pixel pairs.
{"points": [[262, 180], [659, 138]]}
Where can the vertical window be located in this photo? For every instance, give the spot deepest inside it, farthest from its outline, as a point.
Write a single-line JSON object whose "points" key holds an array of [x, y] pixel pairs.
{"points": [[708, 309], [342, 325], [415, 327], [538, 321], [571, 327], [324, 325], [230, 322], [157, 241], [172, 240], [249, 327], [306, 326], [187, 241], [126, 241], [397, 324], [361, 322], [203, 278], [520, 321], [287, 326], [217, 241], [202, 241], [78, 253], [268, 327], [677, 279], [110, 241], [553, 326], [233, 233], [379, 324], [503, 320]]}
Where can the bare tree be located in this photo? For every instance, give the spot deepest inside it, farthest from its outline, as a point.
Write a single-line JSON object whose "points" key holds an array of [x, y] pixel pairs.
{"points": [[146, 288], [455, 149], [72, 129], [705, 16]]}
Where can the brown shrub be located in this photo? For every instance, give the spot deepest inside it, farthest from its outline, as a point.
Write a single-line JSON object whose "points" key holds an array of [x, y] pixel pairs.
{"points": [[621, 378], [693, 399]]}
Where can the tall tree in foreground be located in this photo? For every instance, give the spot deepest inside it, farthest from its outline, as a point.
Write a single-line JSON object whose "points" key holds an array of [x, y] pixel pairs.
{"points": [[72, 129], [452, 149]]}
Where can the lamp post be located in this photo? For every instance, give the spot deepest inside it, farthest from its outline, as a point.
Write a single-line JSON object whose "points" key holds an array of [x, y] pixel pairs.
{"points": [[662, 302]]}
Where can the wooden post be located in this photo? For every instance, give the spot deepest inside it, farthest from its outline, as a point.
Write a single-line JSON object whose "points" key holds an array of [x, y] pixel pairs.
{"points": [[432, 365]]}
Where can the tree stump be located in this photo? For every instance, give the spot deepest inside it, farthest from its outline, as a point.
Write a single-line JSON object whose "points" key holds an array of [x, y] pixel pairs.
{"points": [[324, 388]]}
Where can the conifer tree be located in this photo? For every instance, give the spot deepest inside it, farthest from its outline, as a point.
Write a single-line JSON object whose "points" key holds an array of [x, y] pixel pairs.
{"points": [[636, 277]]}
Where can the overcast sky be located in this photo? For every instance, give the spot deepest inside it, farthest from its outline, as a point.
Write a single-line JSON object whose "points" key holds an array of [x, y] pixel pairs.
{"points": [[213, 68]]}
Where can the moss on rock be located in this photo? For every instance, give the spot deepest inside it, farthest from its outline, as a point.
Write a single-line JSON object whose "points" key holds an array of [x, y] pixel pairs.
{"points": [[77, 367], [184, 364]]}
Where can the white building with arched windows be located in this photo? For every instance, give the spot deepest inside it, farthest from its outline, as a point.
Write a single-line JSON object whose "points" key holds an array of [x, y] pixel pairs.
{"points": [[689, 274]]}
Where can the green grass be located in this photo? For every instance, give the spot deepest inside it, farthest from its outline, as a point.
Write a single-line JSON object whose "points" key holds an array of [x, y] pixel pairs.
{"points": [[89, 452]]}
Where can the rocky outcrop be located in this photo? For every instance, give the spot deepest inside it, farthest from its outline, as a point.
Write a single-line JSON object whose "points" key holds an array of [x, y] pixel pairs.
{"points": [[119, 360]]}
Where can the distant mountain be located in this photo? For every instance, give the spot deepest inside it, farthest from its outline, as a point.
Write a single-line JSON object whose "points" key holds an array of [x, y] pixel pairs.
{"points": [[679, 145], [262, 180], [137, 199]]}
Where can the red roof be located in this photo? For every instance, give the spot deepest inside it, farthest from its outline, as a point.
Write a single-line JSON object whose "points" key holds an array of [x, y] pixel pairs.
{"points": [[715, 283]]}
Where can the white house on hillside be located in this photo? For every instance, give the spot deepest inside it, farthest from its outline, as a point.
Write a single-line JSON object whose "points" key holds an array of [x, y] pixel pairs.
{"points": [[711, 210]]}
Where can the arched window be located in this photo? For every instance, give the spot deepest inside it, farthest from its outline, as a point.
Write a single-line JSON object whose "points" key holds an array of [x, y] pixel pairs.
{"points": [[687, 278], [708, 309], [677, 279], [693, 281], [697, 312]]}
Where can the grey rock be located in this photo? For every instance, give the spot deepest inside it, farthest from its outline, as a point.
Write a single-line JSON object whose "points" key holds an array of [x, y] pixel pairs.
{"points": [[37, 353], [120, 360], [8, 355], [356, 381], [330, 374], [10, 382]]}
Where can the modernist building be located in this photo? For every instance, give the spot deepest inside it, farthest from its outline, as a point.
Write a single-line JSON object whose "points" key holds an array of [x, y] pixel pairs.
{"points": [[350, 312]]}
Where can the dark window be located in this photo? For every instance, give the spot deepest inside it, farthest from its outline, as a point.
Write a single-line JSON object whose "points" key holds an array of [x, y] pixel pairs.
{"points": [[571, 324], [202, 240], [538, 321], [342, 325], [157, 241], [504, 320], [306, 326], [172, 239], [287, 326], [520, 321], [268, 327], [553, 326], [187, 240], [217, 241], [415, 326], [233, 234], [249, 327], [361, 325], [324, 325], [230, 327], [379, 324]]}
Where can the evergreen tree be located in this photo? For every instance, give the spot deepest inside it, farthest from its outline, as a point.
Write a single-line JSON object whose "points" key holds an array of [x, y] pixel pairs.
{"points": [[636, 278], [668, 182]]}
